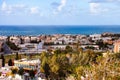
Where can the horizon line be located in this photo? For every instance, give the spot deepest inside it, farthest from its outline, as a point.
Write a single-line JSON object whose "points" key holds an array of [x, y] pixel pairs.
{"points": [[61, 25]]}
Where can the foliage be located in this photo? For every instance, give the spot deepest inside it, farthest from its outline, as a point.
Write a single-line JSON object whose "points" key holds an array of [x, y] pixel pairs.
{"points": [[101, 44], [10, 62], [0, 73], [3, 60], [90, 47], [81, 64], [46, 70], [34, 41], [68, 49], [32, 73], [12, 45], [17, 56], [50, 43], [21, 71], [14, 70]]}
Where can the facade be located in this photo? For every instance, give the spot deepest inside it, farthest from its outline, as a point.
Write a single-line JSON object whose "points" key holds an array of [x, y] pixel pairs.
{"points": [[28, 65], [95, 36], [117, 46], [15, 39], [32, 48]]}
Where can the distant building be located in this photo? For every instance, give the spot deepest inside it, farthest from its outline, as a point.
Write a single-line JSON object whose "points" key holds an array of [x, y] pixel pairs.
{"points": [[28, 64], [32, 48], [15, 39], [117, 46], [95, 36], [27, 39]]}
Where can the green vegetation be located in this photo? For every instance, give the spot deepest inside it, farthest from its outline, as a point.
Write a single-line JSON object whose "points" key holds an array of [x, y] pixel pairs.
{"points": [[0, 73], [17, 57], [21, 71], [13, 57], [32, 74], [3, 60], [82, 64], [10, 63], [12, 45], [14, 70], [102, 45], [78, 64]]}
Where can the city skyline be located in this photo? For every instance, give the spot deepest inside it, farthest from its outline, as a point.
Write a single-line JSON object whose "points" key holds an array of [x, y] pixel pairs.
{"points": [[59, 12]]}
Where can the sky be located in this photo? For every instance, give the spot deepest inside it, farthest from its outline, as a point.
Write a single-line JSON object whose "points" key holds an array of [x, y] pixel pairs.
{"points": [[59, 12]]}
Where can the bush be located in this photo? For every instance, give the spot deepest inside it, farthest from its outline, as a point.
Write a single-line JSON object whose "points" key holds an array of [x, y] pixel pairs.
{"points": [[32, 73], [21, 71], [14, 70], [12, 45]]}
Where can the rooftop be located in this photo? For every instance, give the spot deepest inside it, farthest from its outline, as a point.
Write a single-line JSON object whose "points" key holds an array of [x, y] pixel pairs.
{"points": [[26, 61]]}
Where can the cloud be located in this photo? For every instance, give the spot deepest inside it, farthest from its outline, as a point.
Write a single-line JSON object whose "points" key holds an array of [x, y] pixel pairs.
{"points": [[102, 1], [18, 9], [5, 8], [34, 10], [59, 6], [99, 6], [55, 4], [62, 4], [11, 9], [96, 8]]}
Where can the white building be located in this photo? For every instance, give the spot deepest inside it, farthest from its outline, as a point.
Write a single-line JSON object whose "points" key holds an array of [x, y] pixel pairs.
{"points": [[95, 36], [3, 38], [29, 65], [15, 40], [32, 48], [26, 39]]}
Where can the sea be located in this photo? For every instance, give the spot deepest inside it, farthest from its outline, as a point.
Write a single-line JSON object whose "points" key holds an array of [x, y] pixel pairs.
{"points": [[57, 29]]}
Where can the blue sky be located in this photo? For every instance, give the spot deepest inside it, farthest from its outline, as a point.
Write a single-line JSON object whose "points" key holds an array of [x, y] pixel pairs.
{"points": [[59, 12]]}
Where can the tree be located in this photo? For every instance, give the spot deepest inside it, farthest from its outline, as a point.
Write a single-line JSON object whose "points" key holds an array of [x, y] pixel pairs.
{"points": [[14, 71], [12, 45], [3, 60], [10, 62], [58, 51], [34, 41], [32, 73], [79, 71], [47, 70], [68, 49], [17, 56], [101, 44], [8, 38], [90, 47], [53, 66], [22, 41], [21, 71]]}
